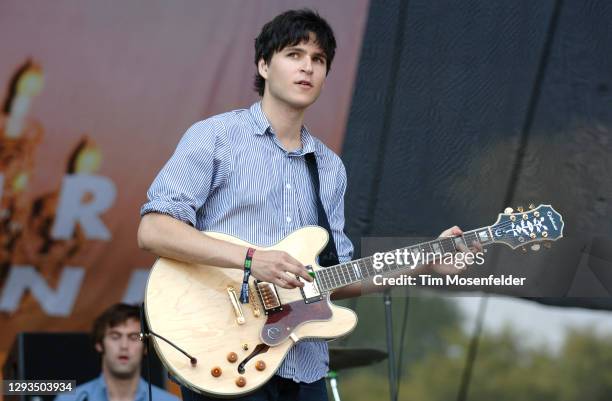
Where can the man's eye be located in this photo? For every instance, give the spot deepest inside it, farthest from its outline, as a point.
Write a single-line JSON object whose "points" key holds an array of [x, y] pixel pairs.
{"points": [[293, 55], [134, 337], [115, 336]]}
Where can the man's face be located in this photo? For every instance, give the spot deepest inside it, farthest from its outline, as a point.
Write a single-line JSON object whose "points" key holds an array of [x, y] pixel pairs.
{"points": [[121, 349], [295, 75]]}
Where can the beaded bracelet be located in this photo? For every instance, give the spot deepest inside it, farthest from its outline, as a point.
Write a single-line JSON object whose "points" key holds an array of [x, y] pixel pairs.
{"points": [[244, 292]]}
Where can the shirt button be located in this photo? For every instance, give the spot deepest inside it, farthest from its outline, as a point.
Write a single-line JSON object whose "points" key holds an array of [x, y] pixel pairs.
{"points": [[288, 186], [288, 219]]}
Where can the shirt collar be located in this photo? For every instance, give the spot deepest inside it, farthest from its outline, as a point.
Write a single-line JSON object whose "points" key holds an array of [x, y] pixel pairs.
{"points": [[263, 127], [141, 390]]}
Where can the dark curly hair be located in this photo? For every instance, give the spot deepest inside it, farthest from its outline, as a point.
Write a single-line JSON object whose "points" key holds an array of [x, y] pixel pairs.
{"points": [[289, 29], [111, 317]]}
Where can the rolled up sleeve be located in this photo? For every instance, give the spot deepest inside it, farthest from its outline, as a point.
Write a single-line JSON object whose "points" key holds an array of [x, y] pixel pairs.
{"points": [[194, 170]]}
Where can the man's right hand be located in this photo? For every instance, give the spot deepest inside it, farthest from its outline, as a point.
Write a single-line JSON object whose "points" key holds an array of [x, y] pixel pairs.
{"points": [[278, 267]]}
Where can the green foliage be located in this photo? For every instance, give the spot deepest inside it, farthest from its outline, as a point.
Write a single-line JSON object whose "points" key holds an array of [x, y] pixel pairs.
{"points": [[505, 370]]}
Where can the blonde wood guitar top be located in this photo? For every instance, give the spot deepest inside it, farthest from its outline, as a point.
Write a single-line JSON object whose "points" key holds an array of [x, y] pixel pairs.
{"points": [[190, 305]]}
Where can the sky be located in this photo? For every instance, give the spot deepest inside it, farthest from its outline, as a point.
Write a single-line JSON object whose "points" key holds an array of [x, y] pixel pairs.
{"points": [[545, 325]]}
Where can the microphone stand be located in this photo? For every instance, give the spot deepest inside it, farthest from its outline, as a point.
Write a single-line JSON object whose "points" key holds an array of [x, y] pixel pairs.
{"points": [[390, 351]]}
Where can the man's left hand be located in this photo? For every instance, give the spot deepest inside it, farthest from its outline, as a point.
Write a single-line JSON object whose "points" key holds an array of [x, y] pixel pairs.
{"points": [[450, 268]]}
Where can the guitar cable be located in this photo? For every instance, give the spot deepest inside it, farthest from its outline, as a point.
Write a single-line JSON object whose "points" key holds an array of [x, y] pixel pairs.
{"points": [[145, 334]]}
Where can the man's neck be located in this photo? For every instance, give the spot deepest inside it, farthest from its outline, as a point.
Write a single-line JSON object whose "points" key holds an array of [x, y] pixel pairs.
{"points": [[121, 389], [285, 120]]}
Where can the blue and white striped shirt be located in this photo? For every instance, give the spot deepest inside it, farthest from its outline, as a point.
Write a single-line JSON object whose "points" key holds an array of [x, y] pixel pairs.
{"points": [[229, 173]]}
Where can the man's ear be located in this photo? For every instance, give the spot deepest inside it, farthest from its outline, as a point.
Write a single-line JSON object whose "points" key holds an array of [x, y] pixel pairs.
{"points": [[262, 67], [99, 348]]}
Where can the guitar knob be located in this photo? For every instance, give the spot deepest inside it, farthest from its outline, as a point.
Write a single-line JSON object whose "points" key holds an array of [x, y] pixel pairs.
{"points": [[520, 209], [508, 210], [232, 357], [535, 247], [240, 381], [260, 365], [216, 371]]}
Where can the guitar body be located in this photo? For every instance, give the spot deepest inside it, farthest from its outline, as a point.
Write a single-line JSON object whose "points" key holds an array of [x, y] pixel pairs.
{"points": [[190, 305]]}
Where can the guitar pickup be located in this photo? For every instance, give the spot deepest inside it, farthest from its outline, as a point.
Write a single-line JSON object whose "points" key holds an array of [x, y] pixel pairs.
{"points": [[269, 296], [310, 290]]}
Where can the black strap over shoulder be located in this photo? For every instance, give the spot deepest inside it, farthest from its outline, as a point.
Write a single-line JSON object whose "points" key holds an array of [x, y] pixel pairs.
{"points": [[329, 254]]}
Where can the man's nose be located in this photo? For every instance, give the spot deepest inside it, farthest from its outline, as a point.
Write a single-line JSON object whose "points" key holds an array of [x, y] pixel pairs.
{"points": [[307, 65]]}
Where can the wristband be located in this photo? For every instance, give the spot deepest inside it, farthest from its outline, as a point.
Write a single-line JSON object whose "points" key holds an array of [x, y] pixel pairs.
{"points": [[244, 292]]}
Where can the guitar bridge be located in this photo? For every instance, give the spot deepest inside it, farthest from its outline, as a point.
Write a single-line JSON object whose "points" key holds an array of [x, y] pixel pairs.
{"points": [[268, 296]]}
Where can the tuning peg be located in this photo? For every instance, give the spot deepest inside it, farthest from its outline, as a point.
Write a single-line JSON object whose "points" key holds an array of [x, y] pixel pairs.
{"points": [[535, 247], [531, 206], [547, 245], [508, 210], [520, 209]]}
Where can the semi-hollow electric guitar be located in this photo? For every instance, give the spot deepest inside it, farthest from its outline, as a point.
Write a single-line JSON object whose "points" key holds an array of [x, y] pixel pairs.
{"points": [[217, 346]]}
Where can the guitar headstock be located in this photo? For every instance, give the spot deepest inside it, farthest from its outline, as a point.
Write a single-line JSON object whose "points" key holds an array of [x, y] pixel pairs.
{"points": [[523, 227]]}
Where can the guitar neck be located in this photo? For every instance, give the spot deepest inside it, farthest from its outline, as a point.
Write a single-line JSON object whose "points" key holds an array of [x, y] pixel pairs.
{"points": [[343, 274]]}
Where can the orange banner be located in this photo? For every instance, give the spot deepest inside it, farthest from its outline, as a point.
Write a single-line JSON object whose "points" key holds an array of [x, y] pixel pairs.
{"points": [[97, 95]]}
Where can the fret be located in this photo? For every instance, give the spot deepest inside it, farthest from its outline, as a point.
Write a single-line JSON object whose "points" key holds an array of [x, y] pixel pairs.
{"points": [[320, 279], [470, 237], [484, 236], [365, 264], [386, 268], [394, 266], [436, 247], [345, 274], [425, 247], [457, 242], [368, 267], [409, 259], [447, 244], [356, 270], [333, 278], [340, 275], [351, 273], [328, 278]]}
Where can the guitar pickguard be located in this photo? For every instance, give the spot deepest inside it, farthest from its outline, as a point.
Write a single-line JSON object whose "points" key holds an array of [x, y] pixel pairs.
{"points": [[281, 324]]}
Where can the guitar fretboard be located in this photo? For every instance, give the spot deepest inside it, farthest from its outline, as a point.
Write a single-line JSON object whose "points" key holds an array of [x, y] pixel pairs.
{"points": [[337, 276]]}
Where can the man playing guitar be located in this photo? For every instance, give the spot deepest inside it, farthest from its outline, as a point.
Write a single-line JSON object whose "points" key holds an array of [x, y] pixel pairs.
{"points": [[244, 173]]}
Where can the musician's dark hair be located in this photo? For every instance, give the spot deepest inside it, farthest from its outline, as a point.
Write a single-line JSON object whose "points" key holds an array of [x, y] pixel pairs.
{"points": [[289, 29], [113, 316]]}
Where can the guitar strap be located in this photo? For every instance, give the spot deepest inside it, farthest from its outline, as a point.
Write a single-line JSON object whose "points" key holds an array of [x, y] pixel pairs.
{"points": [[329, 254]]}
